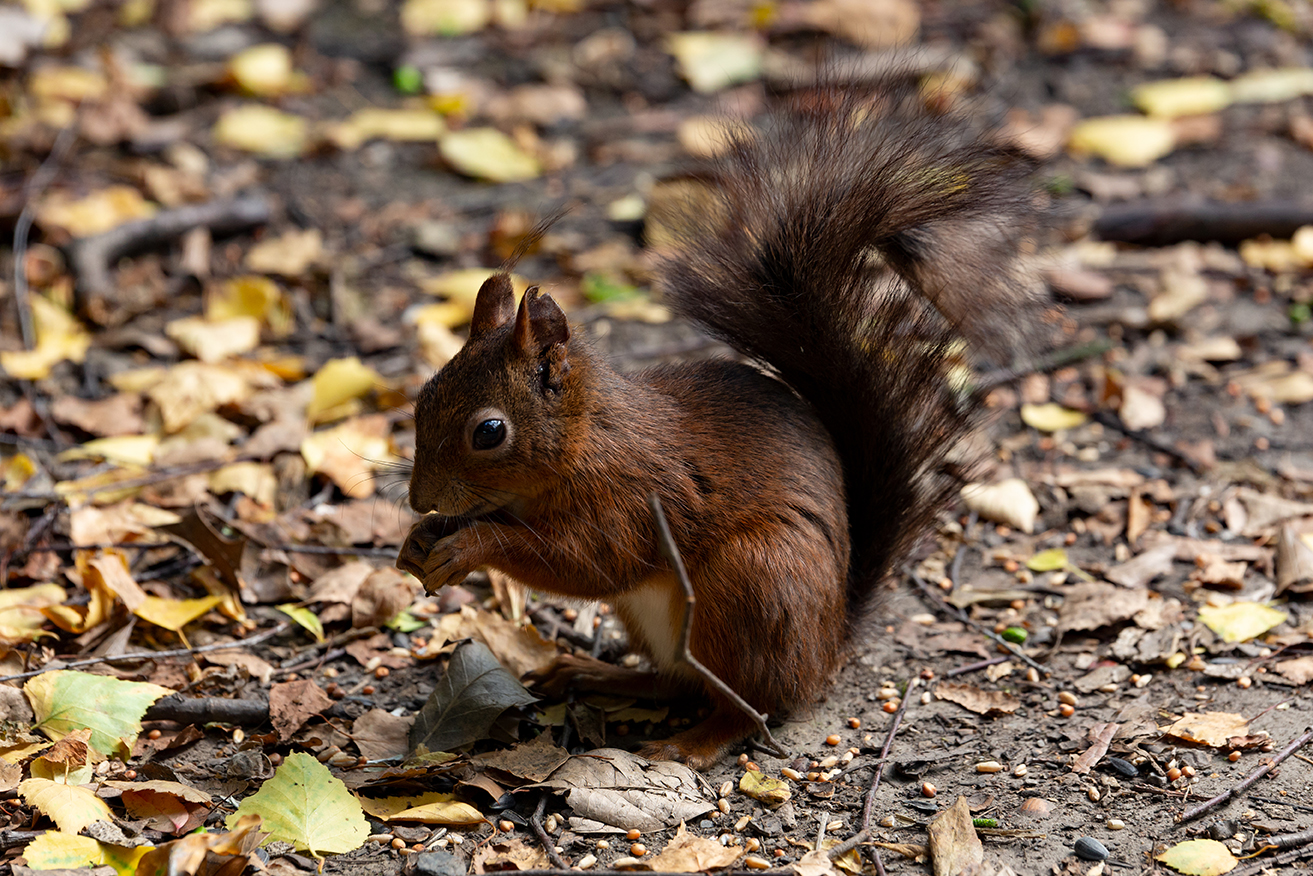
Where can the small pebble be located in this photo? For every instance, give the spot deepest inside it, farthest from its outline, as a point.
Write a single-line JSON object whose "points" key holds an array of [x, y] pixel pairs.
{"points": [[1090, 849]]}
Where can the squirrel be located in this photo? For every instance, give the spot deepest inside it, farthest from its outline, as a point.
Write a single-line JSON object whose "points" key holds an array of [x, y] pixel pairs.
{"points": [[854, 243]]}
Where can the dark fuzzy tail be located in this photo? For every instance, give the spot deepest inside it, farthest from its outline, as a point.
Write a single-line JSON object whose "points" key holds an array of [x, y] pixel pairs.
{"points": [[793, 273]]}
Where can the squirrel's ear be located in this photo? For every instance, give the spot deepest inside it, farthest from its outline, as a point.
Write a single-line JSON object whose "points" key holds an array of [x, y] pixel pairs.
{"points": [[494, 306], [540, 323]]}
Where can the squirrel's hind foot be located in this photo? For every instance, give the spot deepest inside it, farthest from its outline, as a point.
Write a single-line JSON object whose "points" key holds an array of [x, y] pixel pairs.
{"points": [[704, 744]]}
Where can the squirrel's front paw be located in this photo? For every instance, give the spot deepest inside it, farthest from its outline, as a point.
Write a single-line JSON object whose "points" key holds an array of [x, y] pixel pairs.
{"points": [[432, 552]]}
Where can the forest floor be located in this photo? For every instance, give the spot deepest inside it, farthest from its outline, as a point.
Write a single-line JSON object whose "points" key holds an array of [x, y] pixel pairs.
{"points": [[217, 416]]}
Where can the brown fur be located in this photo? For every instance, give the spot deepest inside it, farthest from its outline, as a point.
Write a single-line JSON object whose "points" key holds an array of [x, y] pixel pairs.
{"points": [[789, 496]]}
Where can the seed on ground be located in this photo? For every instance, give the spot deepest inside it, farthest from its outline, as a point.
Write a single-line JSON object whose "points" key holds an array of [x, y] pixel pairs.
{"points": [[855, 723], [989, 766], [1116, 824], [633, 834], [833, 739], [587, 861], [928, 790], [638, 850], [753, 862]]}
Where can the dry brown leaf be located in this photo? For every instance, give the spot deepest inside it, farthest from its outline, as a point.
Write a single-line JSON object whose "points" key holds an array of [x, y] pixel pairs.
{"points": [[687, 853], [1093, 605], [982, 702], [1101, 736], [381, 735], [1143, 568], [293, 703], [1208, 728], [1297, 671], [119, 414], [532, 761], [953, 843], [382, 596], [519, 648], [1294, 561]]}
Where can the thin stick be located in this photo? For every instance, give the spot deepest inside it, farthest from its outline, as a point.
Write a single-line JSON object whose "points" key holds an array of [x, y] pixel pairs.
{"points": [[158, 655], [978, 665], [35, 186], [671, 551], [549, 845], [868, 804], [961, 615], [1207, 805], [1052, 362]]}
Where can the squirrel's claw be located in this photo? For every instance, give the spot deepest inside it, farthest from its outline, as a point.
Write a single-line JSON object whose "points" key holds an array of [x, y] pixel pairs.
{"points": [[430, 553]]}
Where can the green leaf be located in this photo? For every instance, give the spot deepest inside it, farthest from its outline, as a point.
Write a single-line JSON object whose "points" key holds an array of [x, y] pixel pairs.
{"points": [[56, 850], [1201, 857], [600, 289], [408, 79], [65, 701], [304, 618], [1051, 560], [303, 804], [471, 695]]}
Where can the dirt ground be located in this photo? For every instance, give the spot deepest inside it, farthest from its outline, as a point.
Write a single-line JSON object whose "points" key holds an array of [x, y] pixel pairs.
{"points": [[1222, 448]]}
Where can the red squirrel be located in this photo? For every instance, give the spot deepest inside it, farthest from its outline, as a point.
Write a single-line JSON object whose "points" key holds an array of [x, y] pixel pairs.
{"points": [[792, 487]]}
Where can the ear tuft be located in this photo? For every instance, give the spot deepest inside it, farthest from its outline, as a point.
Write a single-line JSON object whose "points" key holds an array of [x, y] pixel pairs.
{"points": [[494, 306], [540, 323]]}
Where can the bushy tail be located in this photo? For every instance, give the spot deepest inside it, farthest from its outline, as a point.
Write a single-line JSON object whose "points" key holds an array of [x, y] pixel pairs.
{"points": [[790, 266]]}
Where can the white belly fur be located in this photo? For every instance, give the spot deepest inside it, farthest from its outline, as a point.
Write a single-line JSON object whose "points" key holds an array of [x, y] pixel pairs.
{"points": [[649, 615]]}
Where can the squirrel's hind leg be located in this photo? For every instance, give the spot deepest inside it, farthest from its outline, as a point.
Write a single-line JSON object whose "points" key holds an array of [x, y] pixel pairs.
{"points": [[703, 744]]}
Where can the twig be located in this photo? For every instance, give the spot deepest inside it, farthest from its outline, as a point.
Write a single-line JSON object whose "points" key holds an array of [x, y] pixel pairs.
{"points": [[92, 257], [1277, 802], [1263, 866], [978, 665], [1207, 805], [549, 845], [671, 551], [159, 655], [313, 663], [208, 710], [1052, 362], [868, 804], [1163, 222], [1111, 421], [35, 186], [961, 615]]}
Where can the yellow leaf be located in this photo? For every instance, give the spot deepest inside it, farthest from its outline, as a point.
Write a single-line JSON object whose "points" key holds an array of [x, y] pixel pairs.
{"points": [[214, 341], [254, 479], [1201, 857], [1009, 501], [265, 70], [255, 296], [431, 807], [1051, 560], [1194, 95], [1124, 141], [1208, 728], [486, 153], [306, 619], [58, 850], [710, 60], [174, 614], [74, 84], [72, 807], [759, 786], [418, 125], [1273, 86], [262, 130], [338, 381], [64, 701], [445, 17], [133, 450], [194, 388], [95, 213], [1051, 417], [21, 619], [1240, 621], [59, 336], [350, 453], [290, 255]]}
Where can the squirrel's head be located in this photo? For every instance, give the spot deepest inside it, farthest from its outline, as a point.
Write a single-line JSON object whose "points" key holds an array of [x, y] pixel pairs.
{"points": [[487, 425]]}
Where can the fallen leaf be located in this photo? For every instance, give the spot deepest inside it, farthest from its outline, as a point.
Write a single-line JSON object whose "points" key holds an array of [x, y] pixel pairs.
{"points": [[1240, 621], [95, 213], [1051, 417], [339, 381], [262, 130], [616, 788], [65, 701], [768, 789], [213, 341], [710, 61], [982, 702], [488, 154], [380, 735], [468, 699], [1092, 605], [445, 17], [429, 807], [1100, 737], [303, 804], [952, 841], [1208, 728], [401, 125], [1189, 96], [1123, 141], [293, 703], [71, 807], [265, 70], [349, 453], [1009, 501], [1200, 857]]}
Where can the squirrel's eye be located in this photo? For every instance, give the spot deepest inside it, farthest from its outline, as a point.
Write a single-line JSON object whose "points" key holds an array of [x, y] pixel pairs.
{"points": [[488, 434]]}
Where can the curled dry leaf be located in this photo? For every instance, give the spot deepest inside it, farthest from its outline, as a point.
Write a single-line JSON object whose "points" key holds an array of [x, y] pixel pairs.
{"points": [[1009, 501], [687, 853], [1208, 728], [1294, 563], [1092, 605], [617, 788], [1100, 738], [954, 846]]}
